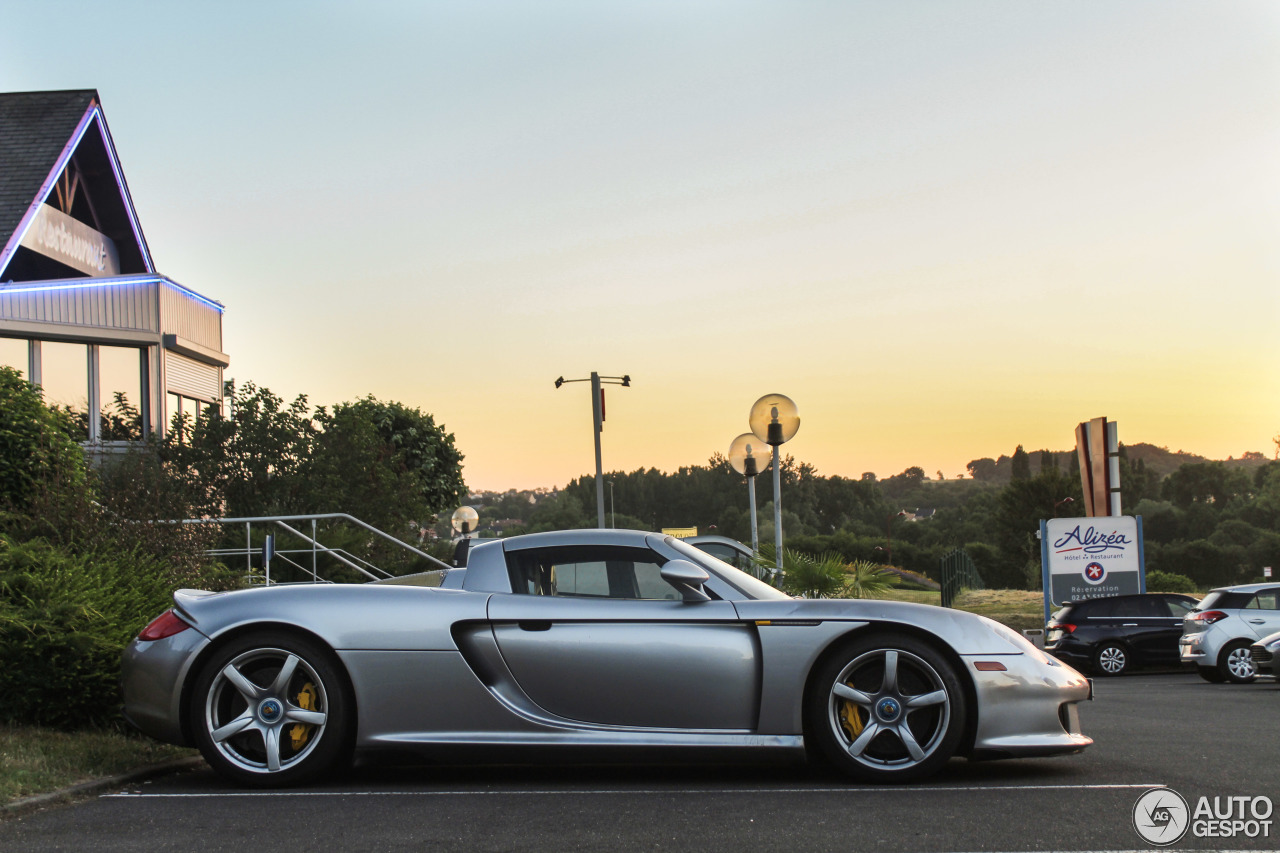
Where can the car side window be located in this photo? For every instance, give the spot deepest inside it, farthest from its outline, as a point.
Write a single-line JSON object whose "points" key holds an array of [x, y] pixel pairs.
{"points": [[1149, 608], [1265, 600], [587, 571], [1102, 610], [1178, 607]]}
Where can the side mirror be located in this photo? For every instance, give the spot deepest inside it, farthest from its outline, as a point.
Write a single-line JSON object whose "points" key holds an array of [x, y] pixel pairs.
{"points": [[687, 577]]}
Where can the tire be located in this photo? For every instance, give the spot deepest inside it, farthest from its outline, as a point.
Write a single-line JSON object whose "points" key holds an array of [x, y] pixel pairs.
{"points": [[904, 688], [1235, 664], [1210, 674], [258, 725], [1111, 659]]}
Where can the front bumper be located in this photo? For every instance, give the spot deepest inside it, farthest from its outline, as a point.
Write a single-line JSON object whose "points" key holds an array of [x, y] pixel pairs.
{"points": [[1028, 709], [1263, 658]]}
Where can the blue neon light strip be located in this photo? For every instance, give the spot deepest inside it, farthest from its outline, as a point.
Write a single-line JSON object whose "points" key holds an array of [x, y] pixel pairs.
{"points": [[118, 281], [65, 157], [110, 145], [94, 112]]}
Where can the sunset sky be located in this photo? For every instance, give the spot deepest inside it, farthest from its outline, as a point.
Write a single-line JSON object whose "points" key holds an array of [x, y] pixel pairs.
{"points": [[942, 228]]}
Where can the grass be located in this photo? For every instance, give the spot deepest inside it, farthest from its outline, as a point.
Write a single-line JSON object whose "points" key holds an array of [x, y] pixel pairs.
{"points": [[36, 761], [1018, 608]]}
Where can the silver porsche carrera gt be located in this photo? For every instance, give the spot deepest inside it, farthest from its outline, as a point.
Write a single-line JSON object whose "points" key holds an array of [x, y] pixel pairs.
{"points": [[595, 641]]}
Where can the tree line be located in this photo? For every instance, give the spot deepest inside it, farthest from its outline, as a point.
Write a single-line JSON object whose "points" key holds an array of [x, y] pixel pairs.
{"points": [[1214, 523]]}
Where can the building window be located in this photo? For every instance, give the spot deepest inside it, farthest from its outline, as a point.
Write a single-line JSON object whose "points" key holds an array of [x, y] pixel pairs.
{"points": [[186, 412], [120, 373], [14, 353], [64, 375]]}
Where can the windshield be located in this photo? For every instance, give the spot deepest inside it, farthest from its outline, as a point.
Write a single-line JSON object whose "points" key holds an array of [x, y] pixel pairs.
{"points": [[741, 581]]}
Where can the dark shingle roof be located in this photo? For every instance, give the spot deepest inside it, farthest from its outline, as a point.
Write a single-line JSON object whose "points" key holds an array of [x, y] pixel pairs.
{"points": [[34, 128]]}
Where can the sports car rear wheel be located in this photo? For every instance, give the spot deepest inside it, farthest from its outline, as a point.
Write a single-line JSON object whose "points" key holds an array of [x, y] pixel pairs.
{"points": [[886, 708], [271, 709]]}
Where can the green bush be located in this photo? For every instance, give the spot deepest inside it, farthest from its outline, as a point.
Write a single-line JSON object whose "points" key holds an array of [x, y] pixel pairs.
{"points": [[65, 618], [1169, 582], [37, 452], [826, 575]]}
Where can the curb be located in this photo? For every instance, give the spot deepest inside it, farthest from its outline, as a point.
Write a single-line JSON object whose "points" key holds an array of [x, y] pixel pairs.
{"points": [[96, 786]]}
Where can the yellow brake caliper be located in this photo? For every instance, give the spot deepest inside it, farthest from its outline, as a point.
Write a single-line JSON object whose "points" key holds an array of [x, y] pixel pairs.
{"points": [[851, 719], [299, 732]]}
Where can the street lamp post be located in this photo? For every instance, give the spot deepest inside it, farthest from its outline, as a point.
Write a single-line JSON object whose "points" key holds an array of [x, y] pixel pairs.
{"points": [[464, 522], [888, 536], [597, 415], [748, 457], [774, 420], [613, 516]]}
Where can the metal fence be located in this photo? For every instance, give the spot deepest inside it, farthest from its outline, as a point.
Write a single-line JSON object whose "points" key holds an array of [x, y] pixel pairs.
{"points": [[305, 557]]}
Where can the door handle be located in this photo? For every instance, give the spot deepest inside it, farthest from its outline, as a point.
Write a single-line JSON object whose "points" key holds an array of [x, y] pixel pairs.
{"points": [[1129, 625], [1257, 621], [534, 624]]}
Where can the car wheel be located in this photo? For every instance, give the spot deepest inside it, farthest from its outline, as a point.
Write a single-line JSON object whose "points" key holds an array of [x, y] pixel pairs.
{"points": [[886, 708], [1236, 664], [271, 709], [1211, 674], [1111, 659]]}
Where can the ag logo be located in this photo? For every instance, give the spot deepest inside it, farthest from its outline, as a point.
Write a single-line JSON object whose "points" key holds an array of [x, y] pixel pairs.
{"points": [[1161, 816], [1095, 572]]}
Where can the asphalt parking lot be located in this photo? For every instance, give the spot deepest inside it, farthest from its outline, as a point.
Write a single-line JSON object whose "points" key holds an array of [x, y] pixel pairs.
{"points": [[1174, 730]]}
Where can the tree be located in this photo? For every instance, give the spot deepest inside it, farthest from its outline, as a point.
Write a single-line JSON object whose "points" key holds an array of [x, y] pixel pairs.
{"points": [[383, 462], [1209, 483], [248, 464], [1022, 505], [37, 452], [1021, 464], [983, 469]]}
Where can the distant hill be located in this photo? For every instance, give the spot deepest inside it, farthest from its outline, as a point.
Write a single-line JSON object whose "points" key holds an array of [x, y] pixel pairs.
{"points": [[1160, 461]]}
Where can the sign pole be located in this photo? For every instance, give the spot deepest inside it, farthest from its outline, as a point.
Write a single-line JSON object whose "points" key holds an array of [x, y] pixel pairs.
{"points": [[1044, 568]]}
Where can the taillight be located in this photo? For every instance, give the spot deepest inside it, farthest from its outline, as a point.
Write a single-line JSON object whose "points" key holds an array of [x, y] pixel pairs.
{"points": [[1065, 627], [1208, 617], [165, 625]]}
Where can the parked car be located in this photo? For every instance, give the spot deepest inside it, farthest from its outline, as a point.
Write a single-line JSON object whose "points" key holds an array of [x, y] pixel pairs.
{"points": [[1264, 654], [727, 550], [587, 642], [1216, 636], [1114, 635]]}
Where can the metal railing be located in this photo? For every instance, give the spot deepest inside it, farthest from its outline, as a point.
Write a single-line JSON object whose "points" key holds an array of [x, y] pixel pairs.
{"points": [[314, 547]]}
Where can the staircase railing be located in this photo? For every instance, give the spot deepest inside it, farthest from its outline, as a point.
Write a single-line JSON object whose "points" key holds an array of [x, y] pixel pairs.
{"points": [[297, 556]]}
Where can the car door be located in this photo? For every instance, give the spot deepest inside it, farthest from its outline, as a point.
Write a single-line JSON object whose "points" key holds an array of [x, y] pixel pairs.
{"points": [[594, 635], [1151, 628], [1262, 613]]}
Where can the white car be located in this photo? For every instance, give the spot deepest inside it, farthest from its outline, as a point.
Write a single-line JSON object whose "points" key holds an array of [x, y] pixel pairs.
{"points": [[1216, 636]]}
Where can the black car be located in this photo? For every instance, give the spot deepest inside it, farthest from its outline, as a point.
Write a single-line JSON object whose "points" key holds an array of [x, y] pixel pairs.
{"points": [[1113, 635]]}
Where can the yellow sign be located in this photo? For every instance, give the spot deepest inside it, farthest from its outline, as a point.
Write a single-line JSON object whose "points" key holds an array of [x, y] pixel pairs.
{"points": [[680, 532]]}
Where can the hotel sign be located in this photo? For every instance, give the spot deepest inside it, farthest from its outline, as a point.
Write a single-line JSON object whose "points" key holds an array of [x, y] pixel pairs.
{"points": [[69, 241], [1091, 557]]}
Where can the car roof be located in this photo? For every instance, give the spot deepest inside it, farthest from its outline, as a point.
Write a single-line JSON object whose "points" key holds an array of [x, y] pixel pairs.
{"points": [[1247, 587], [1128, 597]]}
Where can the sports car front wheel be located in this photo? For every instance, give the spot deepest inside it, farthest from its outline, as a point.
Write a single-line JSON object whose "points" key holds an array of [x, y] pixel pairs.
{"points": [[271, 709], [886, 708]]}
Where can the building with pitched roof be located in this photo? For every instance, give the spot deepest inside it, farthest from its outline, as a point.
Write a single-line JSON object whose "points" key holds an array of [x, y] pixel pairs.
{"points": [[83, 311]]}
